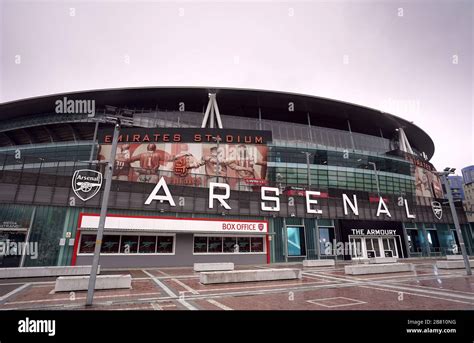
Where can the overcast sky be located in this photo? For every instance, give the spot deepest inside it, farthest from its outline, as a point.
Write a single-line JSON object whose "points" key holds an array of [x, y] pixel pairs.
{"points": [[413, 59]]}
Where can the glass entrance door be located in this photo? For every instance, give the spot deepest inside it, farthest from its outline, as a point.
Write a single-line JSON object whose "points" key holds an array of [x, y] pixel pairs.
{"points": [[357, 251], [453, 243], [372, 247], [389, 247], [13, 258]]}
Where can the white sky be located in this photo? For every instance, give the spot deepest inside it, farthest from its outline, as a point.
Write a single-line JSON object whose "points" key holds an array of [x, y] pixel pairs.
{"points": [[401, 63]]}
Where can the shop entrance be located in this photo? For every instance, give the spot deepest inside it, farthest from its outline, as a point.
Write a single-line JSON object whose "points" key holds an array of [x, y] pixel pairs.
{"points": [[453, 248], [372, 246], [10, 256]]}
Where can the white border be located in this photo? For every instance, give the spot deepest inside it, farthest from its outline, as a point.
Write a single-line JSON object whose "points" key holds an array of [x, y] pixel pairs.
{"points": [[120, 241], [171, 224], [264, 252]]}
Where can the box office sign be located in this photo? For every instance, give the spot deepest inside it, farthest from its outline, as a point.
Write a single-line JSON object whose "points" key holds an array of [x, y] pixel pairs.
{"points": [[175, 224]]}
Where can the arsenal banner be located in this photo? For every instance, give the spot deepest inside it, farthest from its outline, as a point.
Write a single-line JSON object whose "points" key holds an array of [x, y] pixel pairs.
{"points": [[242, 166]]}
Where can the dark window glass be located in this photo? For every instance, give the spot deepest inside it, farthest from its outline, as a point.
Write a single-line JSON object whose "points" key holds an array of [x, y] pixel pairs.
{"points": [[257, 244], [165, 245], [215, 244], [129, 244], [147, 244], [110, 244], [229, 244], [87, 244], [244, 244], [326, 235], [200, 244], [296, 241]]}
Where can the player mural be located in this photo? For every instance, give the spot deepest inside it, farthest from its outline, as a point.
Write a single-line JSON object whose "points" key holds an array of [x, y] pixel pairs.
{"points": [[242, 166], [427, 183]]}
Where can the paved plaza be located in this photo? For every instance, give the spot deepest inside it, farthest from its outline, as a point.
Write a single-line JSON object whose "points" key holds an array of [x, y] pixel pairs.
{"points": [[324, 288]]}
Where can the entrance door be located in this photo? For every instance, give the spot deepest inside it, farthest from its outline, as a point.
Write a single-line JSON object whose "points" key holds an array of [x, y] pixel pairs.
{"points": [[414, 243], [433, 241], [389, 247], [326, 235], [357, 250], [372, 247], [296, 241], [13, 257], [454, 243]]}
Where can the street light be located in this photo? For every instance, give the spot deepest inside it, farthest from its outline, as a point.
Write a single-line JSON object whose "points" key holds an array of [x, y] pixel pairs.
{"points": [[117, 120], [376, 177], [444, 179]]}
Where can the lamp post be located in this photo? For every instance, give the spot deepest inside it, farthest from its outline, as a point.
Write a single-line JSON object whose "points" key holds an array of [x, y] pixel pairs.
{"points": [[376, 177], [444, 179], [118, 121]]}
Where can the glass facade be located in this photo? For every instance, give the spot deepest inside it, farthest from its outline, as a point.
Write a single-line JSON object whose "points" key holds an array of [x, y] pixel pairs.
{"points": [[228, 244], [296, 241], [287, 167], [128, 244], [339, 161]]}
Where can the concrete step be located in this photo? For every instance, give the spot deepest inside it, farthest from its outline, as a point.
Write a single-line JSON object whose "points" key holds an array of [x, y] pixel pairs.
{"points": [[383, 260], [453, 264], [81, 283], [206, 267], [454, 257], [250, 275], [9, 273], [319, 263], [362, 269]]}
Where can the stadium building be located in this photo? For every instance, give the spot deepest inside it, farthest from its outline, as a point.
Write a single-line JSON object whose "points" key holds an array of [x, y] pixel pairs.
{"points": [[246, 176]]}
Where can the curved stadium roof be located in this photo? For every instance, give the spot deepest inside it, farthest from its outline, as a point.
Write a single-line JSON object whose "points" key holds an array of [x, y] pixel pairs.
{"points": [[232, 101]]}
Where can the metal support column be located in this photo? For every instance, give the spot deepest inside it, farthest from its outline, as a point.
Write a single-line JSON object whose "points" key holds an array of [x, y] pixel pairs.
{"points": [[27, 238], [103, 213]]}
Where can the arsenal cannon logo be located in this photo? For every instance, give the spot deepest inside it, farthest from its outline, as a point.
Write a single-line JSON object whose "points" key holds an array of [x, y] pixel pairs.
{"points": [[437, 209], [86, 183]]}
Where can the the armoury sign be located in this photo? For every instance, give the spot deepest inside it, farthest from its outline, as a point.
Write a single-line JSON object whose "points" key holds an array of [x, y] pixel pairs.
{"points": [[270, 200], [373, 232], [190, 157], [86, 183]]}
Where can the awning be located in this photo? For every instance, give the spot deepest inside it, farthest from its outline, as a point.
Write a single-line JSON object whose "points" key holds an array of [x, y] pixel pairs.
{"points": [[90, 222]]}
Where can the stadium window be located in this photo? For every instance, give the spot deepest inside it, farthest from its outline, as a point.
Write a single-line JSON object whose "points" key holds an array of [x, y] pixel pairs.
{"points": [[147, 245], [87, 245], [129, 244], [165, 244], [110, 244], [215, 244], [257, 244]]}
